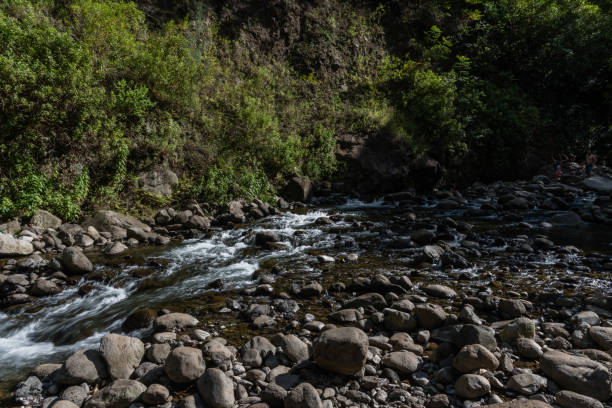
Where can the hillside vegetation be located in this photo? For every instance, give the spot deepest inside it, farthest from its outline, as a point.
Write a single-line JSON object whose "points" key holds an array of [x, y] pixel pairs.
{"points": [[236, 96]]}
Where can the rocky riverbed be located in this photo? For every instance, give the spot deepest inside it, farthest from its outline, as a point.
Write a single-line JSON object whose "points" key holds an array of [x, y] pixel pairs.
{"points": [[499, 296]]}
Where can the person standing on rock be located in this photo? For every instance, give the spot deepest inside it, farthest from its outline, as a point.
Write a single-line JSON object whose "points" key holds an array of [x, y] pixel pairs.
{"points": [[590, 161]]}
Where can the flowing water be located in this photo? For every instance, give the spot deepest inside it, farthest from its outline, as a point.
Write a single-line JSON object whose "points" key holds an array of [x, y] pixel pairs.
{"points": [[51, 328]]}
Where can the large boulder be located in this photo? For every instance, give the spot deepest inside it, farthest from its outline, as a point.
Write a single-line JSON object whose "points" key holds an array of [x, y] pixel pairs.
{"points": [[341, 350], [600, 184], [158, 181], [44, 219], [568, 218], [406, 362], [122, 354], [109, 221], [75, 261], [216, 389], [578, 374], [298, 189], [184, 365], [520, 403], [173, 321], [602, 336], [11, 246], [118, 394], [84, 366]]}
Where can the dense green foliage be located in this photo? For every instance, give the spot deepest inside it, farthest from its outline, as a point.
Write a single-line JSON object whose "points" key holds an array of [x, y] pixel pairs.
{"points": [[93, 92]]}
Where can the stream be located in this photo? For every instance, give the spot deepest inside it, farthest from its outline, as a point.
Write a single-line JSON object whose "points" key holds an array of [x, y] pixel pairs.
{"points": [[178, 276]]}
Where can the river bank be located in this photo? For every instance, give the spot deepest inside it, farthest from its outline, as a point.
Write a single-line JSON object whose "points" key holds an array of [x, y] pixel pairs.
{"points": [[501, 252]]}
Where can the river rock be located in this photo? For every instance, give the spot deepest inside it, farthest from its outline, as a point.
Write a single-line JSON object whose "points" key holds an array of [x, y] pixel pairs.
{"points": [[440, 291], [109, 221], [155, 394], [44, 287], [473, 357], [520, 403], [422, 236], [521, 327], [216, 389], [474, 334], [527, 383], [586, 316], [303, 396], [342, 350], [578, 374], [511, 308], [119, 394], [44, 219], [395, 320], [430, 316], [75, 261], [84, 366], [375, 300], [298, 189], [43, 371], [174, 321], [256, 350], [292, 346], [75, 394], [601, 184], [139, 319], [568, 218], [57, 403], [602, 336], [11, 246], [122, 354], [184, 365], [472, 386], [218, 353], [569, 399], [158, 353], [528, 348], [405, 362], [29, 392]]}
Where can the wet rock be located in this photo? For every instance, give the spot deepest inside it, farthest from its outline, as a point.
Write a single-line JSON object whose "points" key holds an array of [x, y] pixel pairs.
{"points": [[43, 371], [303, 396], [75, 261], [84, 366], [119, 394], [473, 357], [440, 291], [312, 289], [216, 389], [527, 384], [578, 374], [263, 237], [405, 362], [155, 394], [122, 354], [601, 184], [263, 321], [184, 364], [569, 399], [569, 218], [472, 386], [174, 321], [521, 327], [11, 246], [430, 316], [43, 219], [341, 350], [115, 248], [298, 189], [140, 319], [44, 287]]}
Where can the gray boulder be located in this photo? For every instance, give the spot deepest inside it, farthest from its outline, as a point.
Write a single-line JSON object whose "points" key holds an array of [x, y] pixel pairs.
{"points": [[341, 350], [84, 366], [184, 365], [578, 374], [44, 219], [172, 321], [75, 261], [216, 389], [303, 396], [118, 394], [122, 354], [158, 181], [11, 246], [109, 221], [472, 386]]}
